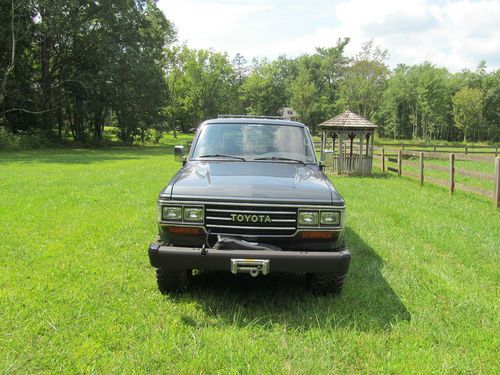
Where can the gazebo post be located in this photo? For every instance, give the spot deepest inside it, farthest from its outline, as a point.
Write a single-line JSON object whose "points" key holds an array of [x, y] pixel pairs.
{"points": [[361, 136], [373, 142], [367, 153], [333, 150], [351, 136], [322, 153], [341, 153], [369, 170]]}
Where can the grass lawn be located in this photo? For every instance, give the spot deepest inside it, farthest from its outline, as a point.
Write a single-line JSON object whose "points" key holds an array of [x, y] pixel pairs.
{"points": [[77, 293]]}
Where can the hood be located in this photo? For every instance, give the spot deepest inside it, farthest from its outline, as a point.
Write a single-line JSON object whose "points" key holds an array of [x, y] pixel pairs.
{"points": [[277, 182]]}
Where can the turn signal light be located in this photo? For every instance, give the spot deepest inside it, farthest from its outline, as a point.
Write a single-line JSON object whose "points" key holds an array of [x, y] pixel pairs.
{"points": [[186, 231], [317, 235]]}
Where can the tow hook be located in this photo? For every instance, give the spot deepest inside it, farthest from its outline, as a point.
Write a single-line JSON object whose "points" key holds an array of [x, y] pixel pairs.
{"points": [[252, 266], [203, 249]]}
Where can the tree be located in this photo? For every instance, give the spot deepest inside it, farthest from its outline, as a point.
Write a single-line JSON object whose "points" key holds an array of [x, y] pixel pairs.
{"points": [[365, 80], [491, 113], [264, 91], [417, 103], [12, 50], [333, 65], [202, 84], [81, 61], [467, 109], [304, 95], [240, 67]]}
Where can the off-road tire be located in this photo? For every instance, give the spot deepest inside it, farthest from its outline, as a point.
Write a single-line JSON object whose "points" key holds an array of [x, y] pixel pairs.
{"points": [[172, 281], [325, 283]]}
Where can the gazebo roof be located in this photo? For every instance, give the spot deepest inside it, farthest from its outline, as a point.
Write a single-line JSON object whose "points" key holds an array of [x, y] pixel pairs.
{"points": [[348, 121]]}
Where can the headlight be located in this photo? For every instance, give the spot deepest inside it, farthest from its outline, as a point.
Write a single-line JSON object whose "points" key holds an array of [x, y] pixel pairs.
{"points": [[172, 213], [330, 218], [194, 214], [308, 217]]}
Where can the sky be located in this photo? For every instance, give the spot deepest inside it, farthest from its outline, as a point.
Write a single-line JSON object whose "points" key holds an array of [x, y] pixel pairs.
{"points": [[453, 34]]}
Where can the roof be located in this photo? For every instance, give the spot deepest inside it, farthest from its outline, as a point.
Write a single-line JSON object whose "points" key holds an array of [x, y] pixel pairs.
{"points": [[251, 120], [348, 120]]}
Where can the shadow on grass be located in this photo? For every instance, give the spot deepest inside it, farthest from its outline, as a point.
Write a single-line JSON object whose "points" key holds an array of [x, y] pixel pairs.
{"points": [[84, 156], [366, 303]]}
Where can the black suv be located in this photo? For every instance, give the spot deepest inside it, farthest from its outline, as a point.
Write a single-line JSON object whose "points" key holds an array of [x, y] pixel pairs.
{"points": [[251, 198]]}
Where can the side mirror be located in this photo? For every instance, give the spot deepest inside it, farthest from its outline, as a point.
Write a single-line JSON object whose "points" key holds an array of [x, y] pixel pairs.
{"points": [[321, 165], [179, 154], [322, 156]]}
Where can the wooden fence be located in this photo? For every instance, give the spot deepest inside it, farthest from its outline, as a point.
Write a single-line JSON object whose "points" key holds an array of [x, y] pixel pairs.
{"points": [[466, 149], [395, 163]]}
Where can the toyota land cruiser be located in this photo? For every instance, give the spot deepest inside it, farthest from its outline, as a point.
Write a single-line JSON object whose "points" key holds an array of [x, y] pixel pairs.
{"points": [[252, 198]]}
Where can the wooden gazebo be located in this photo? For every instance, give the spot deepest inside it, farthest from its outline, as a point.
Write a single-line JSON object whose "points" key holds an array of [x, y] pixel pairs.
{"points": [[351, 143]]}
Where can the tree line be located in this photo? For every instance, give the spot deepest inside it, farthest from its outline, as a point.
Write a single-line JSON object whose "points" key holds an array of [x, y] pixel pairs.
{"points": [[69, 68]]}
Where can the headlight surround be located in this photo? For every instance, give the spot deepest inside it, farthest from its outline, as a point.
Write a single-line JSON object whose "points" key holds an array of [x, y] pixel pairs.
{"points": [[308, 218], [194, 214], [172, 213], [330, 218]]}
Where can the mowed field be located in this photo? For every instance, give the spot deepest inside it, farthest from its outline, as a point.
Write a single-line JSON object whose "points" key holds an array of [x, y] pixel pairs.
{"points": [[77, 293]]}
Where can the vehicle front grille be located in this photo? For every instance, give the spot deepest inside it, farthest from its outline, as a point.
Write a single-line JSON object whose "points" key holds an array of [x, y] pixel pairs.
{"points": [[258, 221]]}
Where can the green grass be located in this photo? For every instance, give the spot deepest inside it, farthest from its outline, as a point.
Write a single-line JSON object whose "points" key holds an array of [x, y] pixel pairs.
{"points": [[77, 293]]}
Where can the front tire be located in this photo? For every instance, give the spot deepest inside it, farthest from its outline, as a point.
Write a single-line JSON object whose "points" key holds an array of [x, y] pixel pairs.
{"points": [[325, 283], [172, 281]]}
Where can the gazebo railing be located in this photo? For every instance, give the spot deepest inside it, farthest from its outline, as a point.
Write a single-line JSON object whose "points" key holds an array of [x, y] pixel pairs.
{"points": [[350, 164]]}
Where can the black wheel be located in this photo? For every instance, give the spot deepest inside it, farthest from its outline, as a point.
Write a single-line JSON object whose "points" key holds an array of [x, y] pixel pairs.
{"points": [[324, 283], [172, 281]]}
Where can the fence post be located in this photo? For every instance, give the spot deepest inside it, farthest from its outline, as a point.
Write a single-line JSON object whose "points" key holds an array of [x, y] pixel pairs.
{"points": [[434, 148], [383, 160], [466, 150], [399, 162], [496, 196], [452, 173], [496, 151], [421, 168]]}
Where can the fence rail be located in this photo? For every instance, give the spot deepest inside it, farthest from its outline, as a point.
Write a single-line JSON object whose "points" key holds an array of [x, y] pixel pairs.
{"points": [[444, 156], [467, 149], [396, 164]]}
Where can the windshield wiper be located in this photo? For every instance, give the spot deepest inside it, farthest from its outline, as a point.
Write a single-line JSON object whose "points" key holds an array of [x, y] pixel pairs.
{"points": [[278, 158], [221, 156]]}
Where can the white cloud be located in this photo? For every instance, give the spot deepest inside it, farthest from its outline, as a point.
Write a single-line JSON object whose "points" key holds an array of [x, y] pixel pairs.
{"points": [[455, 34], [211, 24]]}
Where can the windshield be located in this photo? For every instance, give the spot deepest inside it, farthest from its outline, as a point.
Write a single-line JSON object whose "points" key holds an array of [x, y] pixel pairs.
{"points": [[254, 141]]}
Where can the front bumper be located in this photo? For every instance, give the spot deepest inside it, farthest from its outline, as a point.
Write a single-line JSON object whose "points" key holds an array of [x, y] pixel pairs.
{"points": [[220, 260]]}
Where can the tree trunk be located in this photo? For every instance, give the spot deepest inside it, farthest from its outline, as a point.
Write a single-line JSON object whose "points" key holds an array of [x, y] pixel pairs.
{"points": [[78, 121], [10, 66], [71, 123], [46, 84], [60, 123], [98, 127]]}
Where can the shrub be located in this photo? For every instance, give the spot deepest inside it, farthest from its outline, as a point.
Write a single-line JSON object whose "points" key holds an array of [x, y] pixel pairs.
{"points": [[32, 139]]}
